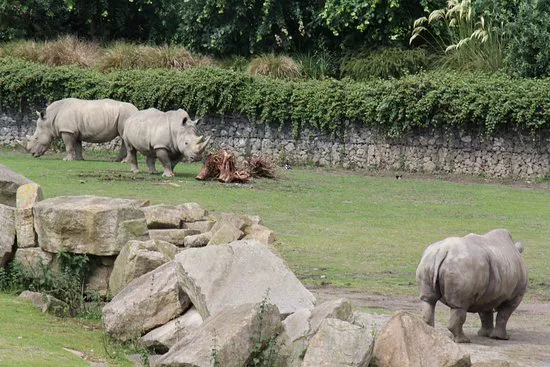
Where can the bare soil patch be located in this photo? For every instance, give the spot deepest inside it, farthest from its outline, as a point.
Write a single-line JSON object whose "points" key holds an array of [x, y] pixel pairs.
{"points": [[529, 325]]}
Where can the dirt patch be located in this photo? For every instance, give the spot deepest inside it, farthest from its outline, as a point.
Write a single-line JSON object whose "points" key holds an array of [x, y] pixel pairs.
{"points": [[529, 326]]}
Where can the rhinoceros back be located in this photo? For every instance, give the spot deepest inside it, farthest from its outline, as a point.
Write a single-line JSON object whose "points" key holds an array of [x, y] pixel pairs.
{"points": [[94, 121], [475, 272]]}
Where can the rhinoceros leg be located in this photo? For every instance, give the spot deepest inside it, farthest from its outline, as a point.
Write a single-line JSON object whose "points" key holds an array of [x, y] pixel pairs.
{"points": [[458, 317], [487, 323], [164, 158], [121, 157], [132, 159], [151, 159], [428, 310], [504, 312], [78, 150], [70, 146]]}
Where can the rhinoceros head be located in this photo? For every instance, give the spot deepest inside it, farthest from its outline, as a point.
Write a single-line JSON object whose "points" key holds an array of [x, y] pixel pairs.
{"points": [[188, 142], [40, 141]]}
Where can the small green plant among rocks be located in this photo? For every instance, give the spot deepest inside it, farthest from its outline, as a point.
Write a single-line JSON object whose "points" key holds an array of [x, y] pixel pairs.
{"points": [[65, 282]]}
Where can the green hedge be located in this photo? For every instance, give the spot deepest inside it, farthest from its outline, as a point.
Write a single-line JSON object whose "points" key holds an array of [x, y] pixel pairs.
{"points": [[477, 103]]}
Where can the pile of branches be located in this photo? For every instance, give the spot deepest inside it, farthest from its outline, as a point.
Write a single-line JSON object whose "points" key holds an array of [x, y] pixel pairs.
{"points": [[222, 166]]}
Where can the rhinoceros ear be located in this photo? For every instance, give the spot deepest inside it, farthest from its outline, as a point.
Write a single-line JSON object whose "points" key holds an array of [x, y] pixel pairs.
{"points": [[198, 121], [184, 120], [41, 115]]}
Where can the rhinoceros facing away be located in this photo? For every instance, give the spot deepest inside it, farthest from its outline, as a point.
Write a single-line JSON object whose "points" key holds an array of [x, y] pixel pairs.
{"points": [[475, 273], [77, 120], [168, 136]]}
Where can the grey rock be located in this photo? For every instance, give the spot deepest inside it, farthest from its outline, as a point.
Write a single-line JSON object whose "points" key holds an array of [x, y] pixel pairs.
{"points": [[216, 277]]}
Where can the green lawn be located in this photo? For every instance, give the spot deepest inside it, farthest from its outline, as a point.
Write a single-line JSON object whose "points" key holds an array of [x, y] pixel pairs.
{"points": [[29, 338], [342, 228]]}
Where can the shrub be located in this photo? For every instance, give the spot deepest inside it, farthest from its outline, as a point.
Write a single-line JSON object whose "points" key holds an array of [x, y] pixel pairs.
{"points": [[69, 50], [276, 66], [385, 63], [529, 51]]}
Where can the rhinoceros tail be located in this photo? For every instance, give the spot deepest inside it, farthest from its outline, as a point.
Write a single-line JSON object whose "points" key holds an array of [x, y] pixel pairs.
{"points": [[439, 258], [519, 246]]}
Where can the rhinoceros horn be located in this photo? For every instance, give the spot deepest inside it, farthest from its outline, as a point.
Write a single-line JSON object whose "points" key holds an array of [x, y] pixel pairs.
{"points": [[203, 143]]}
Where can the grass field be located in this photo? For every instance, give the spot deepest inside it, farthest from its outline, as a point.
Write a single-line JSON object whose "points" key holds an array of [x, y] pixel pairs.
{"points": [[334, 227]]}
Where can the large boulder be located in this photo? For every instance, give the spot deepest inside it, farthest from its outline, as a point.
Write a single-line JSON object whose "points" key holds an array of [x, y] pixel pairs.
{"points": [[88, 224], [260, 233], [164, 337], [224, 233], [7, 234], [27, 197], [303, 324], [147, 302], [407, 341], [216, 277], [226, 339], [197, 240], [137, 258], [339, 343], [9, 182]]}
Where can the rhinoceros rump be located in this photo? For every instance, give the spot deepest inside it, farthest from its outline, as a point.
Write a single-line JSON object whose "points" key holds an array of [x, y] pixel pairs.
{"points": [[168, 136], [76, 120], [474, 273]]}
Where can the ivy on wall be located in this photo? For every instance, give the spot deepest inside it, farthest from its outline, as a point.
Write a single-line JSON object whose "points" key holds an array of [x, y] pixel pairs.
{"points": [[474, 102]]}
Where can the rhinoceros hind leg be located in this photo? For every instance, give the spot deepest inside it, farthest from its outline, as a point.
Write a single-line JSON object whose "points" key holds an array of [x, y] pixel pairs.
{"points": [[151, 159], [428, 310], [504, 312], [487, 323], [164, 158], [132, 159], [458, 317], [121, 157]]}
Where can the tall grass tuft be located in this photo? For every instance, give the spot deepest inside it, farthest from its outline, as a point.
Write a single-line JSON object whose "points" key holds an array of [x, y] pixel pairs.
{"points": [[385, 63], [469, 43], [276, 66], [318, 65], [69, 50], [27, 50], [126, 56]]}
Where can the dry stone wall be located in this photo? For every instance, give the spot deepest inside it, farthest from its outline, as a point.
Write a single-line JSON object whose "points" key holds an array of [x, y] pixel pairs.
{"points": [[507, 154]]}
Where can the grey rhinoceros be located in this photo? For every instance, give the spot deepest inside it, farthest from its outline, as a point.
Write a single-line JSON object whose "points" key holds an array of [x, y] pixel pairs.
{"points": [[77, 120], [475, 273], [168, 136]]}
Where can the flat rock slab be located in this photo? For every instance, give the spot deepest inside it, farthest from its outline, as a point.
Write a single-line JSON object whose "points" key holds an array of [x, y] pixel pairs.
{"points": [[9, 182], [407, 341], [242, 272], [231, 334], [174, 236], [88, 224], [339, 343], [147, 302]]}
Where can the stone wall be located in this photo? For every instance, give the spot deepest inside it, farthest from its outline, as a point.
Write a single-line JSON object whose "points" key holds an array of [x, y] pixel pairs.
{"points": [[505, 155]]}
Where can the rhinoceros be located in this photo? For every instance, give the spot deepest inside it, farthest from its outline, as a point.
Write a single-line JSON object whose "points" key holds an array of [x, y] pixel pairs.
{"points": [[474, 273], [77, 120], [168, 136]]}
